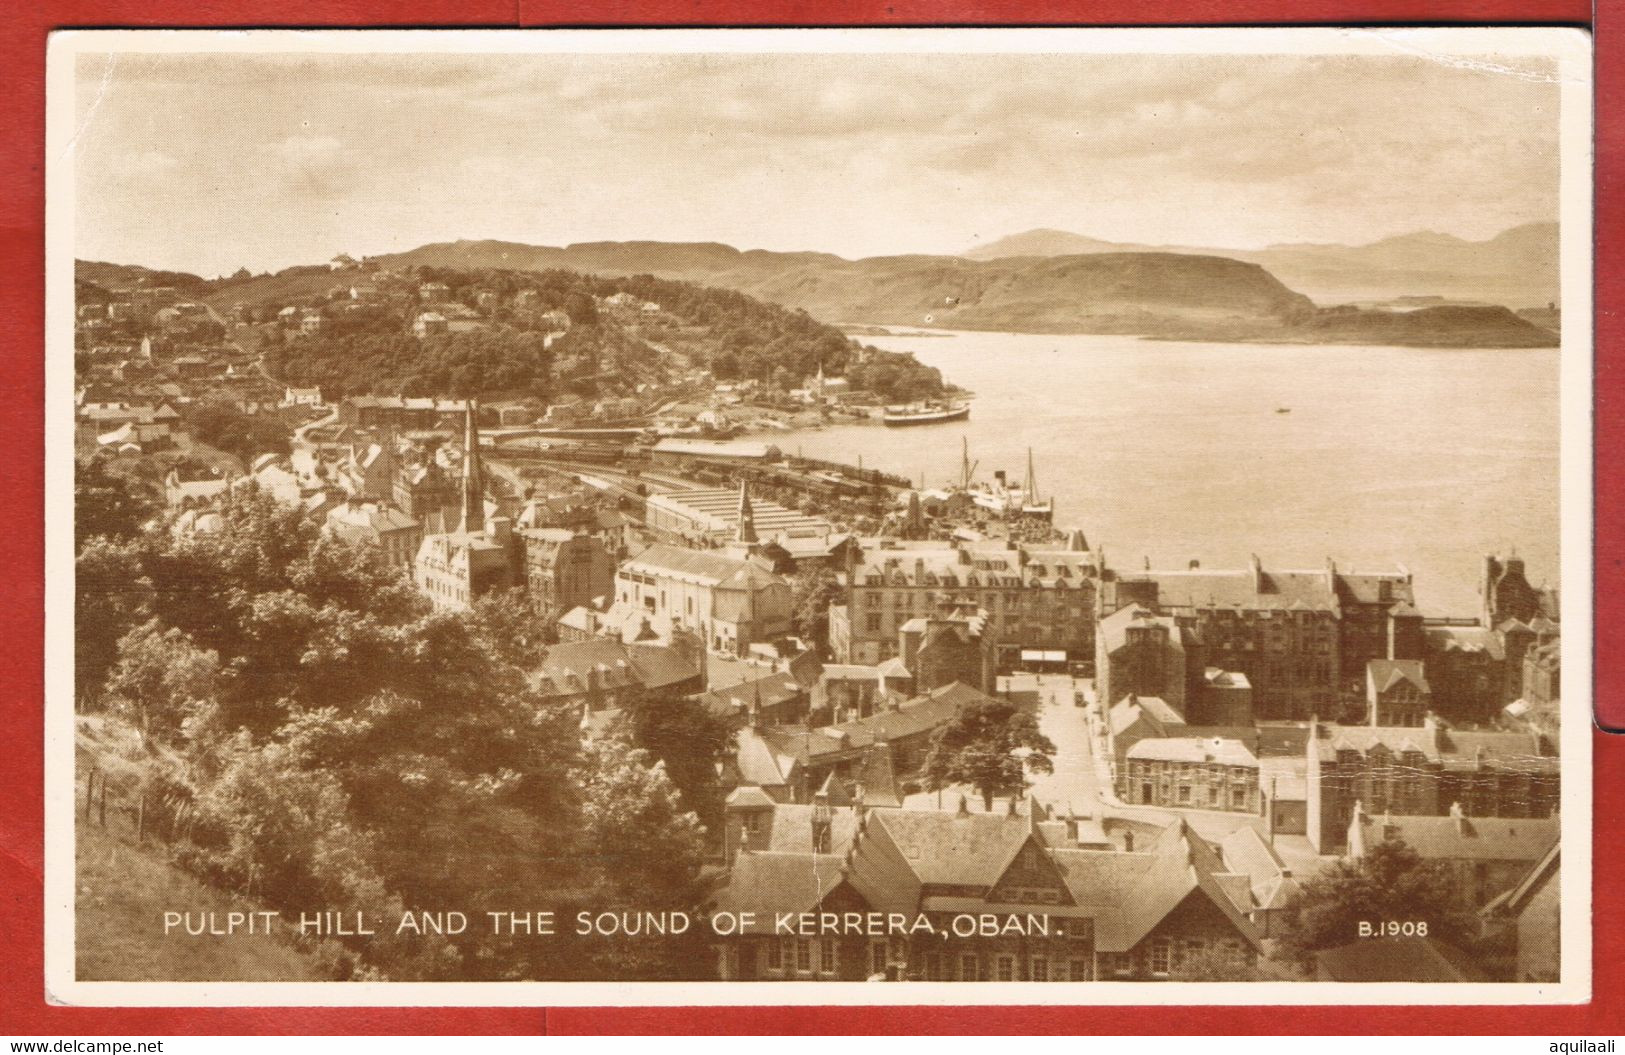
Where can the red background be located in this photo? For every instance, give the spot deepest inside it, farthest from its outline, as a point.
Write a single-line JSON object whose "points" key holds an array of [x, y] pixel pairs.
{"points": [[23, 30]]}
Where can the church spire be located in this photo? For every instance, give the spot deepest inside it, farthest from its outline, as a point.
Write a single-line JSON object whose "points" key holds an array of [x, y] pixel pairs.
{"points": [[746, 532], [473, 482]]}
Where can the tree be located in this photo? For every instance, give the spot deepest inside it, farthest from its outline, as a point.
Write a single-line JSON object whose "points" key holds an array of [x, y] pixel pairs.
{"points": [[646, 854], [109, 504], [1391, 881], [811, 594], [110, 597], [991, 745], [689, 741], [518, 624], [161, 679]]}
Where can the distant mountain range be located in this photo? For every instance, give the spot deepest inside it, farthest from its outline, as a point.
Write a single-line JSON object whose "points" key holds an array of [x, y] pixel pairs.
{"points": [[1422, 289], [1128, 290], [1517, 268]]}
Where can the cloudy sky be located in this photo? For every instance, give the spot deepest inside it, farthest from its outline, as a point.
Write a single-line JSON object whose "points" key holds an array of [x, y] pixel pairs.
{"points": [[206, 164]]}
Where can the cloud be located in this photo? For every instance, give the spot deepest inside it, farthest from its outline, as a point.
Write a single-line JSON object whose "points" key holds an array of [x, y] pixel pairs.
{"points": [[312, 166]]}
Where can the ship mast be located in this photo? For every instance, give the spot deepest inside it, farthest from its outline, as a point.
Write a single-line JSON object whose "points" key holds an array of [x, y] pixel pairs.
{"points": [[1029, 486]]}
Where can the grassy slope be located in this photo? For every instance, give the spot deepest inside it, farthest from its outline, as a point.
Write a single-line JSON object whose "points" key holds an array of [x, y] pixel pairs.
{"points": [[123, 890]]}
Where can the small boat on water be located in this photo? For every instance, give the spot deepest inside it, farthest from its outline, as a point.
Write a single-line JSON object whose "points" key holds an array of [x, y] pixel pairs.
{"points": [[924, 413], [1283, 410]]}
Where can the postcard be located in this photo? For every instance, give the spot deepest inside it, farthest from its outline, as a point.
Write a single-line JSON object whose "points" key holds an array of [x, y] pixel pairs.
{"points": [[818, 517]]}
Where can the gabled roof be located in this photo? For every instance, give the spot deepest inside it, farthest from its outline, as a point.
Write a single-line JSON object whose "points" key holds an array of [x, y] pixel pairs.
{"points": [[877, 780], [1385, 674], [570, 668], [1362, 738], [1397, 960], [953, 849], [709, 569], [746, 696]]}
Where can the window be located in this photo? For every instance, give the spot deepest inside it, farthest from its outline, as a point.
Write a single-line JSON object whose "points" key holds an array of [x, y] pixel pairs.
{"points": [[1184, 793], [1004, 968], [775, 956], [1238, 796], [969, 970], [871, 622], [1038, 969], [1079, 970], [877, 956], [827, 961], [1161, 956], [804, 956]]}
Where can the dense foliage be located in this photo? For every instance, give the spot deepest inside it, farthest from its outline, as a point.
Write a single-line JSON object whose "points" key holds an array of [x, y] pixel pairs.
{"points": [[1391, 880], [602, 351], [991, 745], [336, 744]]}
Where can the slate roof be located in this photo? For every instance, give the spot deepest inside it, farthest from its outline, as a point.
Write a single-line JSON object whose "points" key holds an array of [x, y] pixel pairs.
{"points": [[1216, 751], [708, 569], [1245, 852], [1468, 838], [1514, 901], [1520, 752], [953, 849], [1397, 960], [894, 859], [1385, 674], [1156, 712], [1362, 738], [571, 667], [877, 780], [1113, 629], [1200, 588], [767, 883], [740, 699]]}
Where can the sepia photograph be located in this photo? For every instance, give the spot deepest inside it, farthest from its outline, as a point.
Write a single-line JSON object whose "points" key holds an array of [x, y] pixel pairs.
{"points": [[674, 517]]}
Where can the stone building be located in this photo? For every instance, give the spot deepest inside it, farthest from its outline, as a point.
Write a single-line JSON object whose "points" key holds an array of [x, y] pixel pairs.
{"points": [[1302, 639], [732, 602], [1070, 905], [380, 525], [563, 569], [1029, 597], [1397, 692], [1188, 772], [1484, 856], [1411, 771], [454, 569]]}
